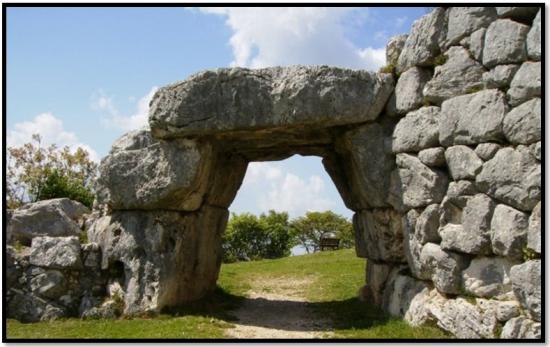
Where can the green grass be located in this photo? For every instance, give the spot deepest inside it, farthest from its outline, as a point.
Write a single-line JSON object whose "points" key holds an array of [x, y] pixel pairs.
{"points": [[333, 280]]}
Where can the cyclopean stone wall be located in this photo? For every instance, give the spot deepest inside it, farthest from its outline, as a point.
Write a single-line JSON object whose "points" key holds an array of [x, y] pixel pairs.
{"points": [[438, 156]]}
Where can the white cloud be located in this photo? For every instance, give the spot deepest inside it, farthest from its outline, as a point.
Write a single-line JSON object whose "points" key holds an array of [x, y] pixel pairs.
{"points": [[115, 118], [51, 130], [400, 21], [294, 35], [275, 189]]}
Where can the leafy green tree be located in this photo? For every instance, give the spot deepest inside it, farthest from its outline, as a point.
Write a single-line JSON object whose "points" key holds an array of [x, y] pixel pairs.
{"points": [[309, 229], [35, 173], [248, 237]]}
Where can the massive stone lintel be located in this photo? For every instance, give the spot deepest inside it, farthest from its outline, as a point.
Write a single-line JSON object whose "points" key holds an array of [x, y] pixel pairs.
{"points": [[237, 99]]}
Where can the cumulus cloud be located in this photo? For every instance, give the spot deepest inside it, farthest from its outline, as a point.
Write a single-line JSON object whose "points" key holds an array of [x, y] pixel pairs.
{"points": [[275, 189], [265, 36], [115, 119], [51, 130]]}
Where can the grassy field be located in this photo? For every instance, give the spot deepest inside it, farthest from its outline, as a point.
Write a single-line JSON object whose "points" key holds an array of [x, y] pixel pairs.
{"points": [[335, 278]]}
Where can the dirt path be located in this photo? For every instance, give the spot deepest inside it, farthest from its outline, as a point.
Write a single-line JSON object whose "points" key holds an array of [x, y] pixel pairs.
{"points": [[276, 308]]}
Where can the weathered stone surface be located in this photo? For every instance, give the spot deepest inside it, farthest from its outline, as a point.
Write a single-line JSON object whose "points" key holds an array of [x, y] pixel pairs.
{"points": [[415, 185], [513, 177], [56, 252], [488, 277], [534, 39], [408, 90], [50, 284], [428, 224], [382, 236], [434, 157], [534, 231], [520, 13], [459, 75], [509, 231], [166, 174], [460, 189], [500, 76], [487, 151], [505, 43], [399, 293], [26, 308], [165, 257], [474, 118], [133, 140], [526, 83], [463, 162], [521, 328], [227, 100], [394, 48], [55, 217], [377, 276], [466, 20], [473, 235], [526, 282], [411, 245], [535, 149], [417, 130], [464, 320], [424, 40], [477, 40], [507, 310], [444, 267], [361, 184]]}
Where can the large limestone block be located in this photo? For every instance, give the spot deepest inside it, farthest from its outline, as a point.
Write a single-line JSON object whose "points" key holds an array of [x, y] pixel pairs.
{"points": [[459, 75], [162, 175], [488, 277], [500, 76], [534, 39], [361, 184], [55, 217], [166, 258], [417, 131], [487, 151], [522, 125], [509, 231], [424, 40], [434, 157], [521, 328], [444, 268], [380, 235], [463, 162], [236, 99], [466, 20], [408, 90], [56, 252], [377, 276], [473, 118], [50, 284], [526, 83], [28, 308], [400, 291], [513, 176], [477, 40], [534, 232], [505, 43], [414, 184], [394, 48], [526, 282]]}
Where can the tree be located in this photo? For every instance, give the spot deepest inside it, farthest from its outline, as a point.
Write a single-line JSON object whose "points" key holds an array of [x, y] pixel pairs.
{"points": [[248, 237], [37, 173], [309, 229]]}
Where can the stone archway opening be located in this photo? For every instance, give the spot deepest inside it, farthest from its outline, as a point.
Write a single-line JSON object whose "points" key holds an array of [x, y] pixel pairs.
{"points": [[165, 192]]}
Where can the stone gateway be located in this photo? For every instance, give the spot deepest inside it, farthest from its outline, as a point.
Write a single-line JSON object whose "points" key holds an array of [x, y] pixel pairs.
{"points": [[439, 158]]}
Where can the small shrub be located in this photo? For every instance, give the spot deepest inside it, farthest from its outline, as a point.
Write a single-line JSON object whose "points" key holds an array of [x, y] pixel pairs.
{"points": [[474, 89], [440, 60], [119, 304], [529, 254], [18, 246], [390, 68], [83, 237]]}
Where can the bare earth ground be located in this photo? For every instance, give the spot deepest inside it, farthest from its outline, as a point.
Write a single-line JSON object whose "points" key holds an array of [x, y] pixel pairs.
{"points": [[277, 308]]}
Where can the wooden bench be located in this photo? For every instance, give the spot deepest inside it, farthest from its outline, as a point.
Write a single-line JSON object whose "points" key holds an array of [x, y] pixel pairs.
{"points": [[329, 243]]}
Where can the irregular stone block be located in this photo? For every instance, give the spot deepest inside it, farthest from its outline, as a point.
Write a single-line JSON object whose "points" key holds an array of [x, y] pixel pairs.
{"points": [[507, 310], [56, 252], [460, 189], [526, 282], [520, 13], [488, 277], [500, 76], [226, 100], [534, 231], [465, 20], [377, 276], [408, 90], [415, 185], [399, 293], [509, 232], [535, 149], [459, 75], [411, 245], [424, 40], [487, 151], [434, 157], [444, 267], [526, 83], [534, 38], [382, 234], [394, 47], [416, 131], [521, 328], [505, 43], [50, 284], [473, 118], [477, 40], [513, 177], [463, 162]]}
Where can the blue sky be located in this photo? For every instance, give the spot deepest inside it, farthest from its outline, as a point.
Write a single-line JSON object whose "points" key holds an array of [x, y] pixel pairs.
{"points": [[84, 76]]}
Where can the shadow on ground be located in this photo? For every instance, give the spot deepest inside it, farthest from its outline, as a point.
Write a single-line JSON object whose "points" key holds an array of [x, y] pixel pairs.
{"points": [[345, 314]]}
